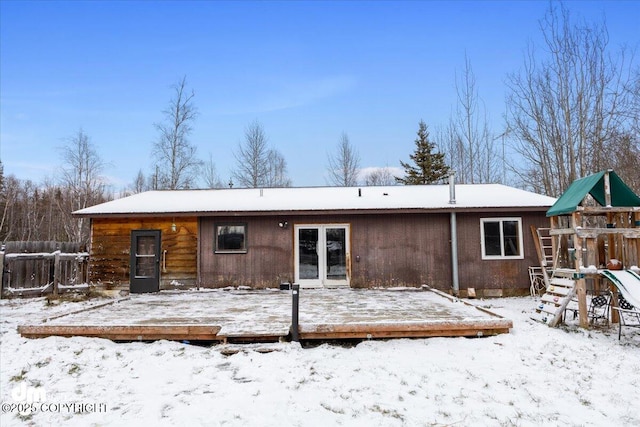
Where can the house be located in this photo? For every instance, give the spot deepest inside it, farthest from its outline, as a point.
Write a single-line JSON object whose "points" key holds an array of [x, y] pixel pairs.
{"points": [[448, 237]]}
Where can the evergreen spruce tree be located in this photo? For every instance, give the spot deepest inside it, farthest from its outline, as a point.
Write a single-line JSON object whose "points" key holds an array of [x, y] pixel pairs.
{"points": [[429, 167]]}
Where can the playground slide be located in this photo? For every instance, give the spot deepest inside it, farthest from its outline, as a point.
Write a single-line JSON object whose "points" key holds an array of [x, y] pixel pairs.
{"points": [[627, 282]]}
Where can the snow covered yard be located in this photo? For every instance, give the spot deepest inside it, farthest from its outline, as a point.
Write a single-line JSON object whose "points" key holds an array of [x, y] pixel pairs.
{"points": [[533, 376]]}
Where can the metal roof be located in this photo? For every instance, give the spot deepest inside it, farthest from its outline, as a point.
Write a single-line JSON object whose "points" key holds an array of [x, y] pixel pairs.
{"points": [[318, 199]]}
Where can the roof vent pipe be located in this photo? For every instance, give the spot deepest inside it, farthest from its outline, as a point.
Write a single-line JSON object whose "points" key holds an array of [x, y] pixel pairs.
{"points": [[454, 235], [452, 188]]}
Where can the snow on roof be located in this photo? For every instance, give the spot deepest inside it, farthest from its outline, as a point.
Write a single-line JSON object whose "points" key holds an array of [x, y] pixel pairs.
{"points": [[468, 196]]}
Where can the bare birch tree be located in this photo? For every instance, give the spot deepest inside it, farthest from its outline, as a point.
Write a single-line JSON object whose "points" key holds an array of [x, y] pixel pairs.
{"points": [[10, 189], [467, 139], [139, 183], [343, 165], [379, 176], [5, 200], [210, 174], [624, 158], [277, 170], [565, 108], [257, 165], [83, 184], [251, 157], [176, 157], [628, 147]]}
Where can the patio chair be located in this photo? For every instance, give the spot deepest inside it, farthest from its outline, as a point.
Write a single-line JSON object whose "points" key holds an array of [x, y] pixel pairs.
{"points": [[629, 315], [599, 308]]}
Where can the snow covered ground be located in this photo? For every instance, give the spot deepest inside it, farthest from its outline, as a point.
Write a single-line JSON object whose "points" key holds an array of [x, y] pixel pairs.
{"points": [[533, 376]]}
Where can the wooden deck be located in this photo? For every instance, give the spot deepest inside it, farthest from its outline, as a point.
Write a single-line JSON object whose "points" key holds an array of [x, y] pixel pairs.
{"points": [[265, 316], [125, 333]]}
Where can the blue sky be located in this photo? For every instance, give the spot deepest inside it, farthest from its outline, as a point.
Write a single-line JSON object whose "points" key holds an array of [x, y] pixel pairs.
{"points": [[308, 71]]}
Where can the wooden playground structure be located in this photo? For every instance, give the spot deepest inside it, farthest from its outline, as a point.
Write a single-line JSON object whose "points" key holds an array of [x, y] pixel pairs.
{"points": [[591, 253]]}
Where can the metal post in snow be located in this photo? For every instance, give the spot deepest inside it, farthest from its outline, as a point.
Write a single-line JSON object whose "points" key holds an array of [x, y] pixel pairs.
{"points": [[295, 295]]}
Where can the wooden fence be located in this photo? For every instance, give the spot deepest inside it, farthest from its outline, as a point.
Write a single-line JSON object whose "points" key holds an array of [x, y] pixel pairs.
{"points": [[38, 268]]}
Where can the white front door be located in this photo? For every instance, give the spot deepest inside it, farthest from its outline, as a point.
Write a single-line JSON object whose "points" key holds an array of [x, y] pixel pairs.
{"points": [[322, 255]]}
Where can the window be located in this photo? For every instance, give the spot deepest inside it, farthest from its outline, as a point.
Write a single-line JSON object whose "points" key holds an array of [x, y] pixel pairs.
{"points": [[145, 265], [501, 238], [231, 238]]}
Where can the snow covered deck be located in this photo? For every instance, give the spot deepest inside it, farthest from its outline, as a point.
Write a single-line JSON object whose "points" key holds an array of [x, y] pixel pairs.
{"points": [[265, 316]]}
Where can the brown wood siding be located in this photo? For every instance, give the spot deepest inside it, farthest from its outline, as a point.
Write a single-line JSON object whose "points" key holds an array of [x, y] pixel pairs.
{"points": [[401, 250], [495, 277], [386, 250], [267, 262], [111, 241]]}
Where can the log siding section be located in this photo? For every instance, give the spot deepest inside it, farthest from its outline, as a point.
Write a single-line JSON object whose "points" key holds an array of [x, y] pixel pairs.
{"points": [[110, 249]]}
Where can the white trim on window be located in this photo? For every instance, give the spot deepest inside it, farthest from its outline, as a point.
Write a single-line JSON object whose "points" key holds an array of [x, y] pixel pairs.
{"points": [[501, 239]]}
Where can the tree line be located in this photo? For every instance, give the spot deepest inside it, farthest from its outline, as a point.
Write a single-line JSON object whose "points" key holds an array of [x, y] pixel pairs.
{"points": [[572, 110], [32, 212]]}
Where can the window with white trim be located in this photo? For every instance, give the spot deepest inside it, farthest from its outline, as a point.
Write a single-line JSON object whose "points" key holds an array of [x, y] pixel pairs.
{"points": [[501, 238]]}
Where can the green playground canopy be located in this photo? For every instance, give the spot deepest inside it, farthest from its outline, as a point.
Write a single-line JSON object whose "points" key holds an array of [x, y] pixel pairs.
{"points": [[621, 194]]}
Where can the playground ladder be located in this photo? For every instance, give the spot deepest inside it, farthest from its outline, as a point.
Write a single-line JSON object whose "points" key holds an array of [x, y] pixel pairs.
{"points": [[544, 247], [553, 303]]}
